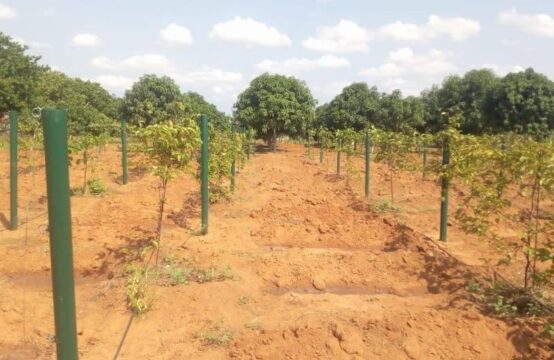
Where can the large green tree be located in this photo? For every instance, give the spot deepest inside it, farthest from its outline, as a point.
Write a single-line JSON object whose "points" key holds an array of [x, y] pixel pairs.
{"points": [[355, 107], [90, 107], [19, 74], [523, 102], [276, 105], [196, 104], [467, 97], [151, 99]]}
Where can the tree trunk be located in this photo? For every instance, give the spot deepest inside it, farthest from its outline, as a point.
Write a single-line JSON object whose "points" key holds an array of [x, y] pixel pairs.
{"points": [[272, 140]]}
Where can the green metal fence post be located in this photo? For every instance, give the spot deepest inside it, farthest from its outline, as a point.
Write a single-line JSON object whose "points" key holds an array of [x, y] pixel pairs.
{"points": [[204, 172], [309, 146], [124, 151], [13, 169], [320, 150], [424, 162], [248, 144], [233, 164], [367, 164], [444, 192], [54, 122], [338, 157]]}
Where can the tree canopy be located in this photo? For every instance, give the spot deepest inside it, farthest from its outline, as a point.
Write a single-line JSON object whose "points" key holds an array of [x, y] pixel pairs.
{"points": [[276, 105], [87, 103], [19, 74], [355, 107], [151, 99], [196, 104]]}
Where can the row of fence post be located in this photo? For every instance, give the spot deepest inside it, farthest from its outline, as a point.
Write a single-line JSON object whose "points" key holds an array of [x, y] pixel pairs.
{"points": [[367, 171], [54, 123]]}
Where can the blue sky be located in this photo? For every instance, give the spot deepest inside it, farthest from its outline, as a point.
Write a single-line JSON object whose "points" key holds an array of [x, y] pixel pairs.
{"points": [[217, 47]]}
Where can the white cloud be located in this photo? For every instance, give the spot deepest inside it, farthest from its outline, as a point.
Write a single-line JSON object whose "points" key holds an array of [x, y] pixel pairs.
{"points": [[295, 65], [146, 62], [249, 32], [31, 43], [103, 62], [536, 24], [329, 91], [174, 34], [208, 75], [140, 63], [503, 70], [346, 36], [7, 12], [114, 82], [457, 28], [86, 40], [49, 12], [405, 61], [399, 30]]}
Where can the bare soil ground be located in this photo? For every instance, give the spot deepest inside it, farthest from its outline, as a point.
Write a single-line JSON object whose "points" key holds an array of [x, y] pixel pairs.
{"points": [[315, 273]]}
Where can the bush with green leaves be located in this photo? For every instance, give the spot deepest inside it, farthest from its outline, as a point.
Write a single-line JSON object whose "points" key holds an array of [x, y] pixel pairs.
{"points": [[169, 147], [497, 172], [394, 149], [221, 148]]}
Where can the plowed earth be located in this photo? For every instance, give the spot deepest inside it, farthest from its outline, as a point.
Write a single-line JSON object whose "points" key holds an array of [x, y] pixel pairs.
{"points": [[315, 273]]}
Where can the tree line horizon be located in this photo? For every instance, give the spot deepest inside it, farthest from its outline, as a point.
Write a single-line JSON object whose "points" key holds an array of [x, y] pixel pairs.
{"points": [[275, 105]]}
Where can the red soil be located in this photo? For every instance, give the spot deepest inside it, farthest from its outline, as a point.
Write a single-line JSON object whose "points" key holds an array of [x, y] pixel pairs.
{"points": [[316, 273]]}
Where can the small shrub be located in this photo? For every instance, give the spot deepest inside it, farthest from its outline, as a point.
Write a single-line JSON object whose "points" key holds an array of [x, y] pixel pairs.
{"points": [[96, 187], [385, 206], [139, 298], [216, 335]]}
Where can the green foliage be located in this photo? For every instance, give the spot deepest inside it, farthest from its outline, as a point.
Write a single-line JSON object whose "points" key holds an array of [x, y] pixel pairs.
{"points": [[169, 147], [91, 109], [513, 162], [19, 74], [344, 142], [468, 96], [153, 99], [395, 149], [275, 105], [175, 273], [216, 335], [196, 105], [524, 102], [384, 206], [139, 298], [82, 146], [503, 307], [96, 187], [214, 274], [222, 148], [354, 108]]}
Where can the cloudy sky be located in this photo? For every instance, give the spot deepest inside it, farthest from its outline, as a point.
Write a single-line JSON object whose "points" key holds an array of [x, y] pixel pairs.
{"points": [[217, 47]]}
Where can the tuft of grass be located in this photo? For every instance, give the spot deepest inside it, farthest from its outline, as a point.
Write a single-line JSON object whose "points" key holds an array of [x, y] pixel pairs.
{"points": [[254, 325], [505, 300], [473, 286], [173, 273], [139, 298], [216, 335], [96, 187], [213, 274], [385, 206]]}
